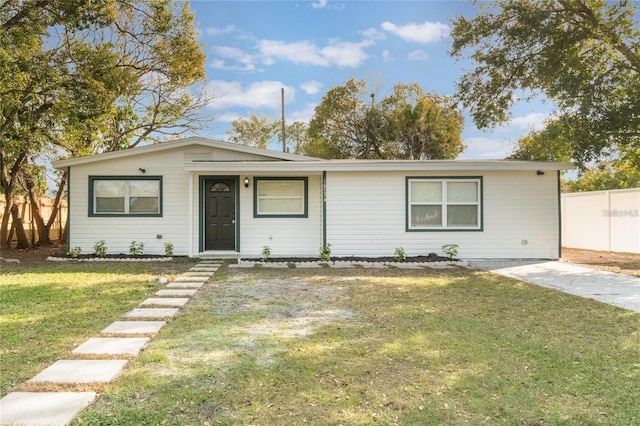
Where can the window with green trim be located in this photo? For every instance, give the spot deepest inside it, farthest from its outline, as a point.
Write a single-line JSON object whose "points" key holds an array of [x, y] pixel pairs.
{"points": [[280, 197], [125, 196], [444, 203]]}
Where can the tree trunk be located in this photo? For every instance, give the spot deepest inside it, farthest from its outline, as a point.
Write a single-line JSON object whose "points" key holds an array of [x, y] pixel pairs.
{"points": [[5, 242], [56, 206], [36, 212], [23, 241]]}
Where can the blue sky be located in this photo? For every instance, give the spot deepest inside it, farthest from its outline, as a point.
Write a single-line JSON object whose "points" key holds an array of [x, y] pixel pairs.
{"points": [[255, 48]]}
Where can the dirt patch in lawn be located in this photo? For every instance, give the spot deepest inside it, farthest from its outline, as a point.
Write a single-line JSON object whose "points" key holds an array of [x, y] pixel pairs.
{"points": [[622, 263], [280, 309]]}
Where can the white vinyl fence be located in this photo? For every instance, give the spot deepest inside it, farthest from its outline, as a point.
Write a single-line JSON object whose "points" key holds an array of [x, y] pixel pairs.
{"points": [[602, 220]]}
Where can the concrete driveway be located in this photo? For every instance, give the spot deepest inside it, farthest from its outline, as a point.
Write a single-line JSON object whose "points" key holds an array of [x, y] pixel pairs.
{"points": [[615, 289]]}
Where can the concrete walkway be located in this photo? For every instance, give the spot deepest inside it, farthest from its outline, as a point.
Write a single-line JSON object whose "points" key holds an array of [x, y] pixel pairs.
{"points": [[60, 408], [615, 289]]}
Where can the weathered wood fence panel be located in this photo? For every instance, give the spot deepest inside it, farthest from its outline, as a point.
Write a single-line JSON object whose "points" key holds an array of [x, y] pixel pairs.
{"points": [[602, 220], [26, 213]]}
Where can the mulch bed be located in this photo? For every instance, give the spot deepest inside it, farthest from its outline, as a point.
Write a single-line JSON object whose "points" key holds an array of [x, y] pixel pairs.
{"points": [[431, 257]]}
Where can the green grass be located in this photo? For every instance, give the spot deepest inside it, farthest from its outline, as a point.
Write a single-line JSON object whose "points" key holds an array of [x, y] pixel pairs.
{"points": [[47, 310], [282, 347]]}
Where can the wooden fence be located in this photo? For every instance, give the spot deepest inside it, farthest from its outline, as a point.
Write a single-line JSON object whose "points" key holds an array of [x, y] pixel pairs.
{"points": [[26, 213]]}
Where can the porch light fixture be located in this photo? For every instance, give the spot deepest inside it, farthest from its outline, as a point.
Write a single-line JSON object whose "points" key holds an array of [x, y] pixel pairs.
{"points": [[142, 170], [246, 182], [539, 172]]}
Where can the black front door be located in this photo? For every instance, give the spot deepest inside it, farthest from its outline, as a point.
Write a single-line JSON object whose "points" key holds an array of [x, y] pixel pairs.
{"points": [[219, 214]]}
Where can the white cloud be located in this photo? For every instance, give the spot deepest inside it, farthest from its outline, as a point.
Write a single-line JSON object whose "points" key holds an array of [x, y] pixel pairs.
{"points": [[418, 55], [481, 148], [341, 54], [532, 121], [261, 94], [245, 60], [304, 115], [373, 34], [427, 32], [386, 56], [225, 30], [312, 87], [345, 54], [319, 4]]}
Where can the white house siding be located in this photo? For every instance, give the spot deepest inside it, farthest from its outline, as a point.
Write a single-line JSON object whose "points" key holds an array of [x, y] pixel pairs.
{"points": [[366, 216], [119, 232], [285, 236]]}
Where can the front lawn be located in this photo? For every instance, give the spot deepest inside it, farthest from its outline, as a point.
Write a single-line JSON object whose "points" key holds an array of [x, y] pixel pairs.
{"points": [[324, 346], [48, 309]]}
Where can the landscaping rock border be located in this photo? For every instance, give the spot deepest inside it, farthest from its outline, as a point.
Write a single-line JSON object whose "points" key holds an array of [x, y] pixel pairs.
{"points": [[110, 259], [250, 263]]}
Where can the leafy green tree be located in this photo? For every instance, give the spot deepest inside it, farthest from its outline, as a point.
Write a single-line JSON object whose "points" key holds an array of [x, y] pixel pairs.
{"points": [[296, 136], [338, 127], [253, 131], [260, 131], [427, 126], [582, 54], [84, 77], [553, 143], [407, 124], [622, 172]]}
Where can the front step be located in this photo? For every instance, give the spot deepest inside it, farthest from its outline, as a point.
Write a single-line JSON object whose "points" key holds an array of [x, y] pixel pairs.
{"points": [[221, 255]]}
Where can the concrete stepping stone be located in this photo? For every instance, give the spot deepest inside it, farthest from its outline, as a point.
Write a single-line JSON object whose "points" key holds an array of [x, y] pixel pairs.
{"points": [[185, 285], [178, 292], [43, 408], [198, 274], [176, 302], [134, 327], [155, 313], [112, 346], [81, 371], [191, 279]]}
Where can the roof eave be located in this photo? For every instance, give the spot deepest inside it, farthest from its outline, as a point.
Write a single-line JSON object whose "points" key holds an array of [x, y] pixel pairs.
{"points": [[380, 165], [189, 141]]}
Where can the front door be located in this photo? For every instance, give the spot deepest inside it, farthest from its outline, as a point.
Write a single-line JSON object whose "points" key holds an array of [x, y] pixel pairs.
{"points": [[219, 214]]}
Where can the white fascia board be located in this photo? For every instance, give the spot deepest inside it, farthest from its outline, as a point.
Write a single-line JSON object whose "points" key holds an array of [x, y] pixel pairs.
{"points": [[372, 165], [189, 141]]}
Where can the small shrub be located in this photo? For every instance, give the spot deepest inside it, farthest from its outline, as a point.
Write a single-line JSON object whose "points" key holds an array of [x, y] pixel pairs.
{"points": [[136, 248], [168, 249], [400, 255], [74, 252], [100, 248], [266, 253], [325, 253], [451, 250]]}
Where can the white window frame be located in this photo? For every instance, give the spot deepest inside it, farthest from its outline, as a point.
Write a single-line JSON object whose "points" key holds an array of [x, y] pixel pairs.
{"points": [[444, 204]]}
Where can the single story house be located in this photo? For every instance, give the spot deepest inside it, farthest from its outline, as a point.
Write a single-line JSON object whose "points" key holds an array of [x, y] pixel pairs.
{"points": [[212, 198]]}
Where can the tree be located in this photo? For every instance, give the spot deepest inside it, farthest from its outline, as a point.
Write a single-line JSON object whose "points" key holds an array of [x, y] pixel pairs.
{"points": [[408, 124], [254, 131], [296, 136], [85, 77], [259, 131], [553, 143], [427, 126], [581, 54]]}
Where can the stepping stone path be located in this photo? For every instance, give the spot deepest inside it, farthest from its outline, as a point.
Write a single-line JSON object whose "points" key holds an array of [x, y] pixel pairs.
{"points": [[60, 408]]}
